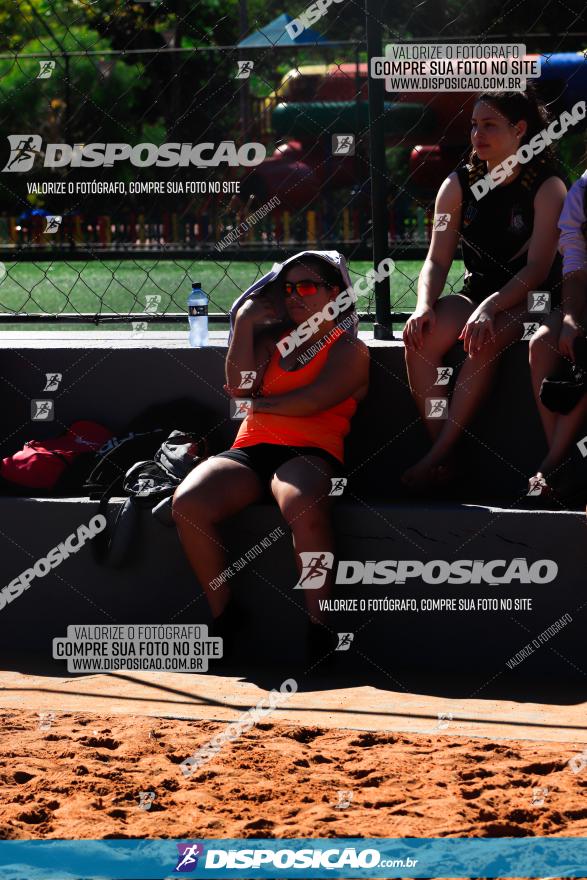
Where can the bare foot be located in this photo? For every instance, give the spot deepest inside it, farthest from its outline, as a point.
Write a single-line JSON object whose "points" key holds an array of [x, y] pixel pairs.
{"points": [[428, 474]]}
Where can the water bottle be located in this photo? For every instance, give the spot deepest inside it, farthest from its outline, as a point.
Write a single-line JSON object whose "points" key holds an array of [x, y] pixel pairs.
{"points": [[198, 316]]}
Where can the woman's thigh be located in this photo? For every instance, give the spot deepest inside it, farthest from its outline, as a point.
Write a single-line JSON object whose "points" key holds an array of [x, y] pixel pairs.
{"points": [[452, 313], [216, 489], [302, 485], [509, 326]]}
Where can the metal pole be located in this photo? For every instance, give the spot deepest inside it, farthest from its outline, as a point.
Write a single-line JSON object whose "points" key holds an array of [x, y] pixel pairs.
{"points": [[244, 91], [175, 63], [382, 329], [358, 101], [67, 114], [65, 55]]}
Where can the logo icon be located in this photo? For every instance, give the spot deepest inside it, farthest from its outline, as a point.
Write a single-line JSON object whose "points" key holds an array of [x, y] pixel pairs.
{"points": [[240, 408], [42, 411], [539, 796], [344, 799], [52, 381], [343, 145], [539, 301], [444, 719], [23, 150], [578, 762], [138, 328], [440, 222], [46, 68], [244, 69], [436, 408], [81, 441], [247, 378], [529, 330], [582, 447], [443, 376], [146, 484], [152, 301], [315, 566], [344, 641], [536, 486], [53, 222], [188, 855], [46, 719], [146, 799], [338, 485]]}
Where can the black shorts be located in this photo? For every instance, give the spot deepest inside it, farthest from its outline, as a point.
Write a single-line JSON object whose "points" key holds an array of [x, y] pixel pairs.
{"points": [[266, 458]]}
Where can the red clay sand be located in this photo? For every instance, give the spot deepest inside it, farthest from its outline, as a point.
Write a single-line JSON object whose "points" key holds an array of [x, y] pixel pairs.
{"points": [[82, 778]]}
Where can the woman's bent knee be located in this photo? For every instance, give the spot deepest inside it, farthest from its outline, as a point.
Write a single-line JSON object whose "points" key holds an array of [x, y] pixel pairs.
{"points": [[189, 505]]}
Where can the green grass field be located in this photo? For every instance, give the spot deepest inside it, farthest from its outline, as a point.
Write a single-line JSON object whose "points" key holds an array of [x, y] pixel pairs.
{"points": [[115, 287]]}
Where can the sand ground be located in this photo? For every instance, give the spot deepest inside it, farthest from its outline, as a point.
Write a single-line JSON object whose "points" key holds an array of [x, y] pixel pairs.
{"points": [[79, 775], [99, 756]]}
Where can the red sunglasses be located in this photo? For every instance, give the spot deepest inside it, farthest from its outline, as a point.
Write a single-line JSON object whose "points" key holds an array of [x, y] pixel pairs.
{"points": [[304, 288]]}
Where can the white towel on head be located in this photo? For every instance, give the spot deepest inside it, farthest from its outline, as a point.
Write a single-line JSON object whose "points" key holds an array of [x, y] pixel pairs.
{"points": [[335, 259]]}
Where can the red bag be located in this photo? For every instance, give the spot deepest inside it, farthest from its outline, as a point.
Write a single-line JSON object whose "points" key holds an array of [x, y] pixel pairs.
{"points": [[42, 463]]}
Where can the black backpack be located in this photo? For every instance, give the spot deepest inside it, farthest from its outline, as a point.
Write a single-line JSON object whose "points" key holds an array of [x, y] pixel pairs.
{"points": [[150, 482], [141, 447], [116, 456]]}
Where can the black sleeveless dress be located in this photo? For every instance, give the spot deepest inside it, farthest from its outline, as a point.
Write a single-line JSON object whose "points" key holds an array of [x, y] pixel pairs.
{"points": [[495, 227]]}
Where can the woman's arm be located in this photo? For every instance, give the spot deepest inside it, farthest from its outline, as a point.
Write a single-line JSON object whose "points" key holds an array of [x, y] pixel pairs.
{"points": [[434, 272], [575, 297], [345, 374], [573, 247], [572, 243], [574, 312], [542, 250], [250, 350]]}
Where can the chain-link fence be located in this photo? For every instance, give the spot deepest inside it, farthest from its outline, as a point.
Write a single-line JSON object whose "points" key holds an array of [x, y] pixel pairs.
{"points": [[133, 171], [127, 238]]}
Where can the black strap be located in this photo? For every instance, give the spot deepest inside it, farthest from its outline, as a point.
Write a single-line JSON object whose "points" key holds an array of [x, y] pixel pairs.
{"points": [[101, 542]]}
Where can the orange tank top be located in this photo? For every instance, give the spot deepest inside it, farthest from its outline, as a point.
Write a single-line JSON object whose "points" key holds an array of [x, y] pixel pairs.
{"points": [[326, 429]]}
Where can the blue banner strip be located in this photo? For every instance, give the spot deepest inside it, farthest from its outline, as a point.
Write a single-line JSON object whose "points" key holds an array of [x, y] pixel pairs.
{"points": [[528, 857]]}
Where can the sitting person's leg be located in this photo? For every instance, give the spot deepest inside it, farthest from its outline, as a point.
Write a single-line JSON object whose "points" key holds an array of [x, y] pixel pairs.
{"points": [[561, 429], [544, 360], [301, 488], [422, 364], [474, 382], [215, 490]]}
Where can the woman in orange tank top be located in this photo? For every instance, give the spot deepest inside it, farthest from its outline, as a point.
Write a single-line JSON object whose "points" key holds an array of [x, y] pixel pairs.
{"points": [[298, 388]]}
